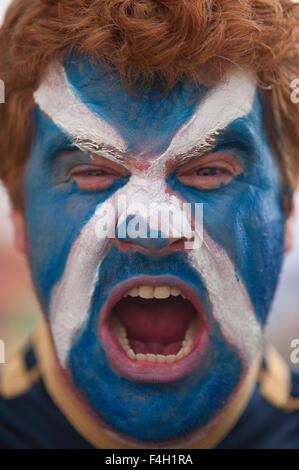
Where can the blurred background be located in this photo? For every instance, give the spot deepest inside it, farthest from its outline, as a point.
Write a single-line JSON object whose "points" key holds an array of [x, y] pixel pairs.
{"points": [[19, 311]]}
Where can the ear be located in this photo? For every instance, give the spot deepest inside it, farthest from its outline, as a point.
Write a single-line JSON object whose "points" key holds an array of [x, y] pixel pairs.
{"points": [[17, 219], [290, 230]]}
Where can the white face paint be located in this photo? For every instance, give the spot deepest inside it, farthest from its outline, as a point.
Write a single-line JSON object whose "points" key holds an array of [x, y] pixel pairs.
{"points": [[56, 98], [71, 297], [222, 105], [231, 305]]}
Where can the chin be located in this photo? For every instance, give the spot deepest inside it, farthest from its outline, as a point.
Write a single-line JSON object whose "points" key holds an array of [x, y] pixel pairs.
{"points": [[156, 385], [163, 404]]}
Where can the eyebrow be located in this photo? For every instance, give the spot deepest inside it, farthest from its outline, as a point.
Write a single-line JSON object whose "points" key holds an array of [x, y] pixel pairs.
{"points": [[103, 150], [123, 158], [197, 151], [75, 119]]}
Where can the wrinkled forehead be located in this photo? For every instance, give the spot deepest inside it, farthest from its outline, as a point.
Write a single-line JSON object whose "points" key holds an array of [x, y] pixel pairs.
{"points": [[146, 115], [91, 104]]}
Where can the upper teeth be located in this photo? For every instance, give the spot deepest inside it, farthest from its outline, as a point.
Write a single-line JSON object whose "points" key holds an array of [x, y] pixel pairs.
{"points": [[157, 292]]}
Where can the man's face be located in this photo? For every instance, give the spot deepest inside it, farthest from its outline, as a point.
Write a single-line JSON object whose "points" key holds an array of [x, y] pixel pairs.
{"points": [[156, 330]]}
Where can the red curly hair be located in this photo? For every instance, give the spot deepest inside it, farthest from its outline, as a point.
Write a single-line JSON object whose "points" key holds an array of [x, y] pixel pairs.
{"points": [[143, 38]]}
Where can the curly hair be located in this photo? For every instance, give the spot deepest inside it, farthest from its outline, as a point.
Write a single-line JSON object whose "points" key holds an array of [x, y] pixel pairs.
{"points": [[142, 39]]}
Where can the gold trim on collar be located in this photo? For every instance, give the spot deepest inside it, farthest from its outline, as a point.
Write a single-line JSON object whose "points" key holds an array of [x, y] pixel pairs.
{"points": [[15, 378], [102, 438], [292, 404], [276, 383]]}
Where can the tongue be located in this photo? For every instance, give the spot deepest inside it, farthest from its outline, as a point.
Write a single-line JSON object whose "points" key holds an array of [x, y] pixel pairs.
{"points": [[155, 325]]}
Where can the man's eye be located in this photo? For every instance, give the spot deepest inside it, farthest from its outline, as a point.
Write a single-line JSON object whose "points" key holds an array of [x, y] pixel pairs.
{"points": [[211, 172], [95, 179], [94, 173], [207, 177]]}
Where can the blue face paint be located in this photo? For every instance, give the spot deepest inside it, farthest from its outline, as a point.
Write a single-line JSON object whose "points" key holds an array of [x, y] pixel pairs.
{"points": [[145, 237], [152, 412], [147, 123], [244, 218], [56, 208]]}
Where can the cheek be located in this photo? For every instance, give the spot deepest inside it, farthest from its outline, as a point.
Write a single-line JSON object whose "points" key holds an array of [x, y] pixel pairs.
{"points": [[52, 227], [55, 217], [246, 221]]}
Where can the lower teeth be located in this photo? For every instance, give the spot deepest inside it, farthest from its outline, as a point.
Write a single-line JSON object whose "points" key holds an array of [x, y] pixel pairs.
{"points": [[186, 348]]}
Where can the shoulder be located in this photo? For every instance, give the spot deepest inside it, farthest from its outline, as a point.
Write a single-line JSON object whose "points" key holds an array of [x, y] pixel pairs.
{"points": [[19, 390], [28, 416], [279, 389], [19, 374], [279, 385], [271, 419]]}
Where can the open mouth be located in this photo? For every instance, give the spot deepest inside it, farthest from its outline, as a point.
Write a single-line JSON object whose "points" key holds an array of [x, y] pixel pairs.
{"points": [[154, 331]]}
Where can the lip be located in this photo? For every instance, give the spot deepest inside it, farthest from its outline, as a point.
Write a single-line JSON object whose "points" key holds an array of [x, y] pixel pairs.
{"points": [[143, 371]]}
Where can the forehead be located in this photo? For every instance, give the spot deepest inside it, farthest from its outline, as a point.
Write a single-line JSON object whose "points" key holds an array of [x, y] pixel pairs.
{"points": [[90, 103], [146, 115]]}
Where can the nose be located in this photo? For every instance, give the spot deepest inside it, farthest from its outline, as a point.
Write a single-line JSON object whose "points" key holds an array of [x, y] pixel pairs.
{"points": [[136, 232]]}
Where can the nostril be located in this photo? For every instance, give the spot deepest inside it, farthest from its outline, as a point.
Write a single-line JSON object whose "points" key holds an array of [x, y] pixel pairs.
{"points": [[136, 231], [157, 246], [180, 243]]}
